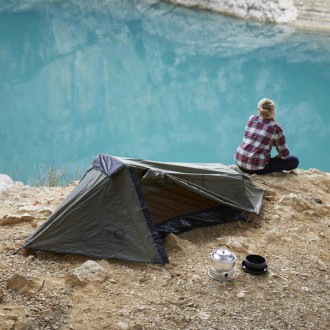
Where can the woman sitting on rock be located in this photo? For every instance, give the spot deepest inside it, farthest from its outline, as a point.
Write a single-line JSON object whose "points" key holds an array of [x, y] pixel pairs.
{"points": [[262, 132]]}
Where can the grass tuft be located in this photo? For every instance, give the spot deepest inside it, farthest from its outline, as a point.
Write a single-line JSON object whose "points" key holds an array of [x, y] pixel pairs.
{"points": [[51, 176]]}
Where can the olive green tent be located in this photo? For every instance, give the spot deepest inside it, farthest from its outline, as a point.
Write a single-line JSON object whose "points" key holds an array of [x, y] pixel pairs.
{"points": [[122, 208]]}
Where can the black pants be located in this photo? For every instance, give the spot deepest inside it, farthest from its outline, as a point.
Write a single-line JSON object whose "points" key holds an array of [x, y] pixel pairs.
{"points": [[276, 165]]}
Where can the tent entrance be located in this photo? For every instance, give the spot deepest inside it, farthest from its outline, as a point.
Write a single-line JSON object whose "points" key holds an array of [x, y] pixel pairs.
{"points": [[166, 200]]}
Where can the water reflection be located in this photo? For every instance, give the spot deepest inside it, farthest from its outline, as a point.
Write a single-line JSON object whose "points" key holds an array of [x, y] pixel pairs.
{"points": [[151, 81]]}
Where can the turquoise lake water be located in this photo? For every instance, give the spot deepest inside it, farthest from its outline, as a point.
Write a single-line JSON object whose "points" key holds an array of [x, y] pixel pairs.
{"points": [[158, 82]]}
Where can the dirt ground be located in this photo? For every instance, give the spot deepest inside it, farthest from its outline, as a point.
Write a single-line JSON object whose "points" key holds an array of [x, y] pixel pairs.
{"points": [[292, 232]]}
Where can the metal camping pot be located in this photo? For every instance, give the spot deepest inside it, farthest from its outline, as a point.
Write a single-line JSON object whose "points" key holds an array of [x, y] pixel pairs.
{"points": [[223, 260], [222, 265]]}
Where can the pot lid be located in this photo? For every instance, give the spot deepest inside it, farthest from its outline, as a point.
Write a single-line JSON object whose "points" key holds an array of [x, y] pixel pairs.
{"points": [[223, 255]]}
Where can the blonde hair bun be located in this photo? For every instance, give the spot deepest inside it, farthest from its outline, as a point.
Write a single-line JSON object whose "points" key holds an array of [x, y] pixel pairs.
{"points": [[266, 108]]}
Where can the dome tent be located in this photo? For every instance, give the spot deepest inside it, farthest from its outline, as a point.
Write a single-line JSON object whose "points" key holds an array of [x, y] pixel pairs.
{"points": [[122, 208]]}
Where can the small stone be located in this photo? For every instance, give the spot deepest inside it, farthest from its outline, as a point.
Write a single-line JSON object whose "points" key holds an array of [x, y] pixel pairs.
{"points": [[23, 285], [241, 294], [321, 264], [122, 326], [272, 234], [276, 217], [90, 271], [173, 242], [235, 245], [222, 240], [203, 315]]}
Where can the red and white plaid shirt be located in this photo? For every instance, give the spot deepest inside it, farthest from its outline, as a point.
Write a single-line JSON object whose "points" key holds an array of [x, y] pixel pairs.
{"points": [[259, 138]]}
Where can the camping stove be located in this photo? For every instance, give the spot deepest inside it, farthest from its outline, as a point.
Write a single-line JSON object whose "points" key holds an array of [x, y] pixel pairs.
{"points": [[222, 265]]}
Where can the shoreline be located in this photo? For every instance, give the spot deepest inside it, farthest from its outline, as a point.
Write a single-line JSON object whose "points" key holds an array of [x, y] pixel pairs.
{"points": [[307, 15]]}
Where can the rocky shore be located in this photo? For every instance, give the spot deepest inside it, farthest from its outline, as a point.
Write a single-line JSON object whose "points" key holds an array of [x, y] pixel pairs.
{"points": [[43, 290], [307, 14]]}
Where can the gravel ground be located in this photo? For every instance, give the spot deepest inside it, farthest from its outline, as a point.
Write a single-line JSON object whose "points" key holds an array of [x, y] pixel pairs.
{"points": [[292, 232]]}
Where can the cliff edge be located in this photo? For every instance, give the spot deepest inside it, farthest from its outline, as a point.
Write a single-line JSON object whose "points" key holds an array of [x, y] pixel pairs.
{"points": [[41, 290]]}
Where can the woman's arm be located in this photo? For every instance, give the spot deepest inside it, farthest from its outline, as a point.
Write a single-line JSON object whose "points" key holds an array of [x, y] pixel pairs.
{"points": [[280, 143]]}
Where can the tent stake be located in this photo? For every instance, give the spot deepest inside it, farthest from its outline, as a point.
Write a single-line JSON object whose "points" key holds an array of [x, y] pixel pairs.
{"points": [[168, 270], [17, 251]]}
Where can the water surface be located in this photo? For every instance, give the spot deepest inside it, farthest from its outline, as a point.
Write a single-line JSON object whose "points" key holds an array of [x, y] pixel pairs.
{"points": [[156, 82]]}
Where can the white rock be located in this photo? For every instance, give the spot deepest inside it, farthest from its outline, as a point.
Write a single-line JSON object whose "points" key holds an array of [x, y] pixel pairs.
{"points": [[236, 245], [90, 271], [203, 315], [296, 202], [321, 264], [122, 326], [241, 294], [5, 182]]}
